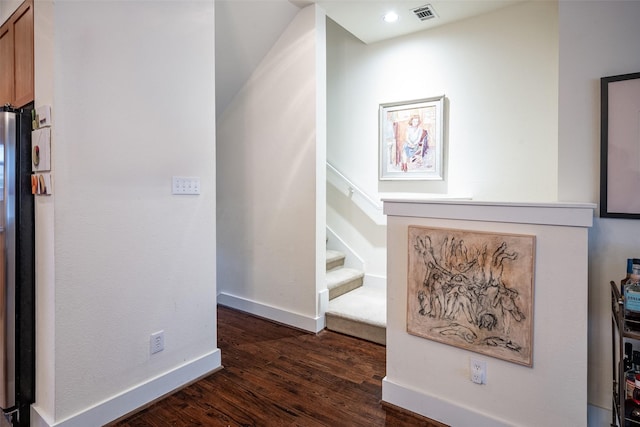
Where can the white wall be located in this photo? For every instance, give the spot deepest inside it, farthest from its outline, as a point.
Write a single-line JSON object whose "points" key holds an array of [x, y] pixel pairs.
{"points": [[269, 199], [597, 39], [44, 222], [131, 85], [249, 28], [433, 379], [499, 74]]}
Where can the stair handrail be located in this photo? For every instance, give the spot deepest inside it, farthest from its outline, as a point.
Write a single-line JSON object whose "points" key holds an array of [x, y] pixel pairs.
{"points": [[376, 214], [354, 188]]}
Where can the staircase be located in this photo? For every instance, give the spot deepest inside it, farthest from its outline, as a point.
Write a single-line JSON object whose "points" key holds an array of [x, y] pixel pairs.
{"points": [[354, 309]]}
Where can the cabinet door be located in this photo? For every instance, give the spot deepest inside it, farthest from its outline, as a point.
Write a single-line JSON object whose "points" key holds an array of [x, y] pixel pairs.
{"points": [[23, 56], [6, 64]]}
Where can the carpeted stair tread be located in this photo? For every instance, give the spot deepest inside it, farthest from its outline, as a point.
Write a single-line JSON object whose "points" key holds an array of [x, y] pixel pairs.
{"points": [[335, 259], [361, 313], [365, 304], [343, 280]]}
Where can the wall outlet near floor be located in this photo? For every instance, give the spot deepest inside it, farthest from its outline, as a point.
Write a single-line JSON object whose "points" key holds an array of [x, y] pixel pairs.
{"points": [[157, 342], [478, 370]]}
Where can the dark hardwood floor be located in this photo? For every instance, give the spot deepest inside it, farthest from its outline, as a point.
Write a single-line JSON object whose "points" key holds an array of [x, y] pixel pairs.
{"points": [[278, 376]]}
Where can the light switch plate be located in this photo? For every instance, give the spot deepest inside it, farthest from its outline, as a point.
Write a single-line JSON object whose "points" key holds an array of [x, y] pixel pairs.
{"points": [[185, 185]]}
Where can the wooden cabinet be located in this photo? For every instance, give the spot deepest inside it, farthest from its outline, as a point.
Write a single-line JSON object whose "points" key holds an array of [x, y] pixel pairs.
{"points": [[23, 55], [16, 57], [6, 65]]}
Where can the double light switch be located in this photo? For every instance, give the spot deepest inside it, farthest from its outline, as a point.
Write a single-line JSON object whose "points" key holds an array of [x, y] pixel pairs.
{"points": [[185, 185]]}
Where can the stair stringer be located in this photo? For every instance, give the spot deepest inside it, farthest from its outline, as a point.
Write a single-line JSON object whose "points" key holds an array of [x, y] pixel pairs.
{"points": [[352, 260]]}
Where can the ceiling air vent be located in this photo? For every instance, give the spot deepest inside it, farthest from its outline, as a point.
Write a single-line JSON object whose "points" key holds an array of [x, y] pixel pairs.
{"points": [[424, 12]]}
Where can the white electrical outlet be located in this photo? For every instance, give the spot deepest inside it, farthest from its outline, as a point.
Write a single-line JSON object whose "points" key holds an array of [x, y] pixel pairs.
{"points": [[478, 370], [157, 342], [185, 185]]}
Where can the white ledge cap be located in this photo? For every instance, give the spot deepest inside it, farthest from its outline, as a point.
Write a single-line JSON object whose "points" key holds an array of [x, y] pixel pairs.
{"points": [[548, 213]]}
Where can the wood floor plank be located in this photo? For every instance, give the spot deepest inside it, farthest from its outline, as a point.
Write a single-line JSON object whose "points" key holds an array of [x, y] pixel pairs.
{"points": [[275, 375]]}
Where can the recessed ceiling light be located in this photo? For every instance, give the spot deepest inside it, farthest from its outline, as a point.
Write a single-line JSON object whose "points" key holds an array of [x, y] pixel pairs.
{"points": [[390, 17]]}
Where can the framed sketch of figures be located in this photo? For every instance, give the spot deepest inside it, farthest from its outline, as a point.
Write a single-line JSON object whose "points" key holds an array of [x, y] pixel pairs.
{"points": [[472, 290], [411, 140]]}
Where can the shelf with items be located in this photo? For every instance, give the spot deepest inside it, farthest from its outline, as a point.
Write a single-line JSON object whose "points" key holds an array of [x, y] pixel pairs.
{"points": [[621, 333]]}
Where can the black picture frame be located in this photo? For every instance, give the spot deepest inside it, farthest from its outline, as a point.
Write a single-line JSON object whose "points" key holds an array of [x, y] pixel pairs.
{"points": [[620, 146]]}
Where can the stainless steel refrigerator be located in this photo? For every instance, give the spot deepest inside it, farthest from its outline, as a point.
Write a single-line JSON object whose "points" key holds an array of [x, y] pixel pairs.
{"points": [[17, 277]]}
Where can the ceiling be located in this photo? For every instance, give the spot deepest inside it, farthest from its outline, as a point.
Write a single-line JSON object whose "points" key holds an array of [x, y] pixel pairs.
{"points": [[363, 18], [246, 29]]}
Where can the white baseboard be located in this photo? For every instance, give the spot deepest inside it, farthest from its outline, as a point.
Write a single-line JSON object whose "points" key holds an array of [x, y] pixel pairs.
{"points": [[372, 281], [436, 408], [598, 417], [296, 320], [323, 306], [134, 398]]}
